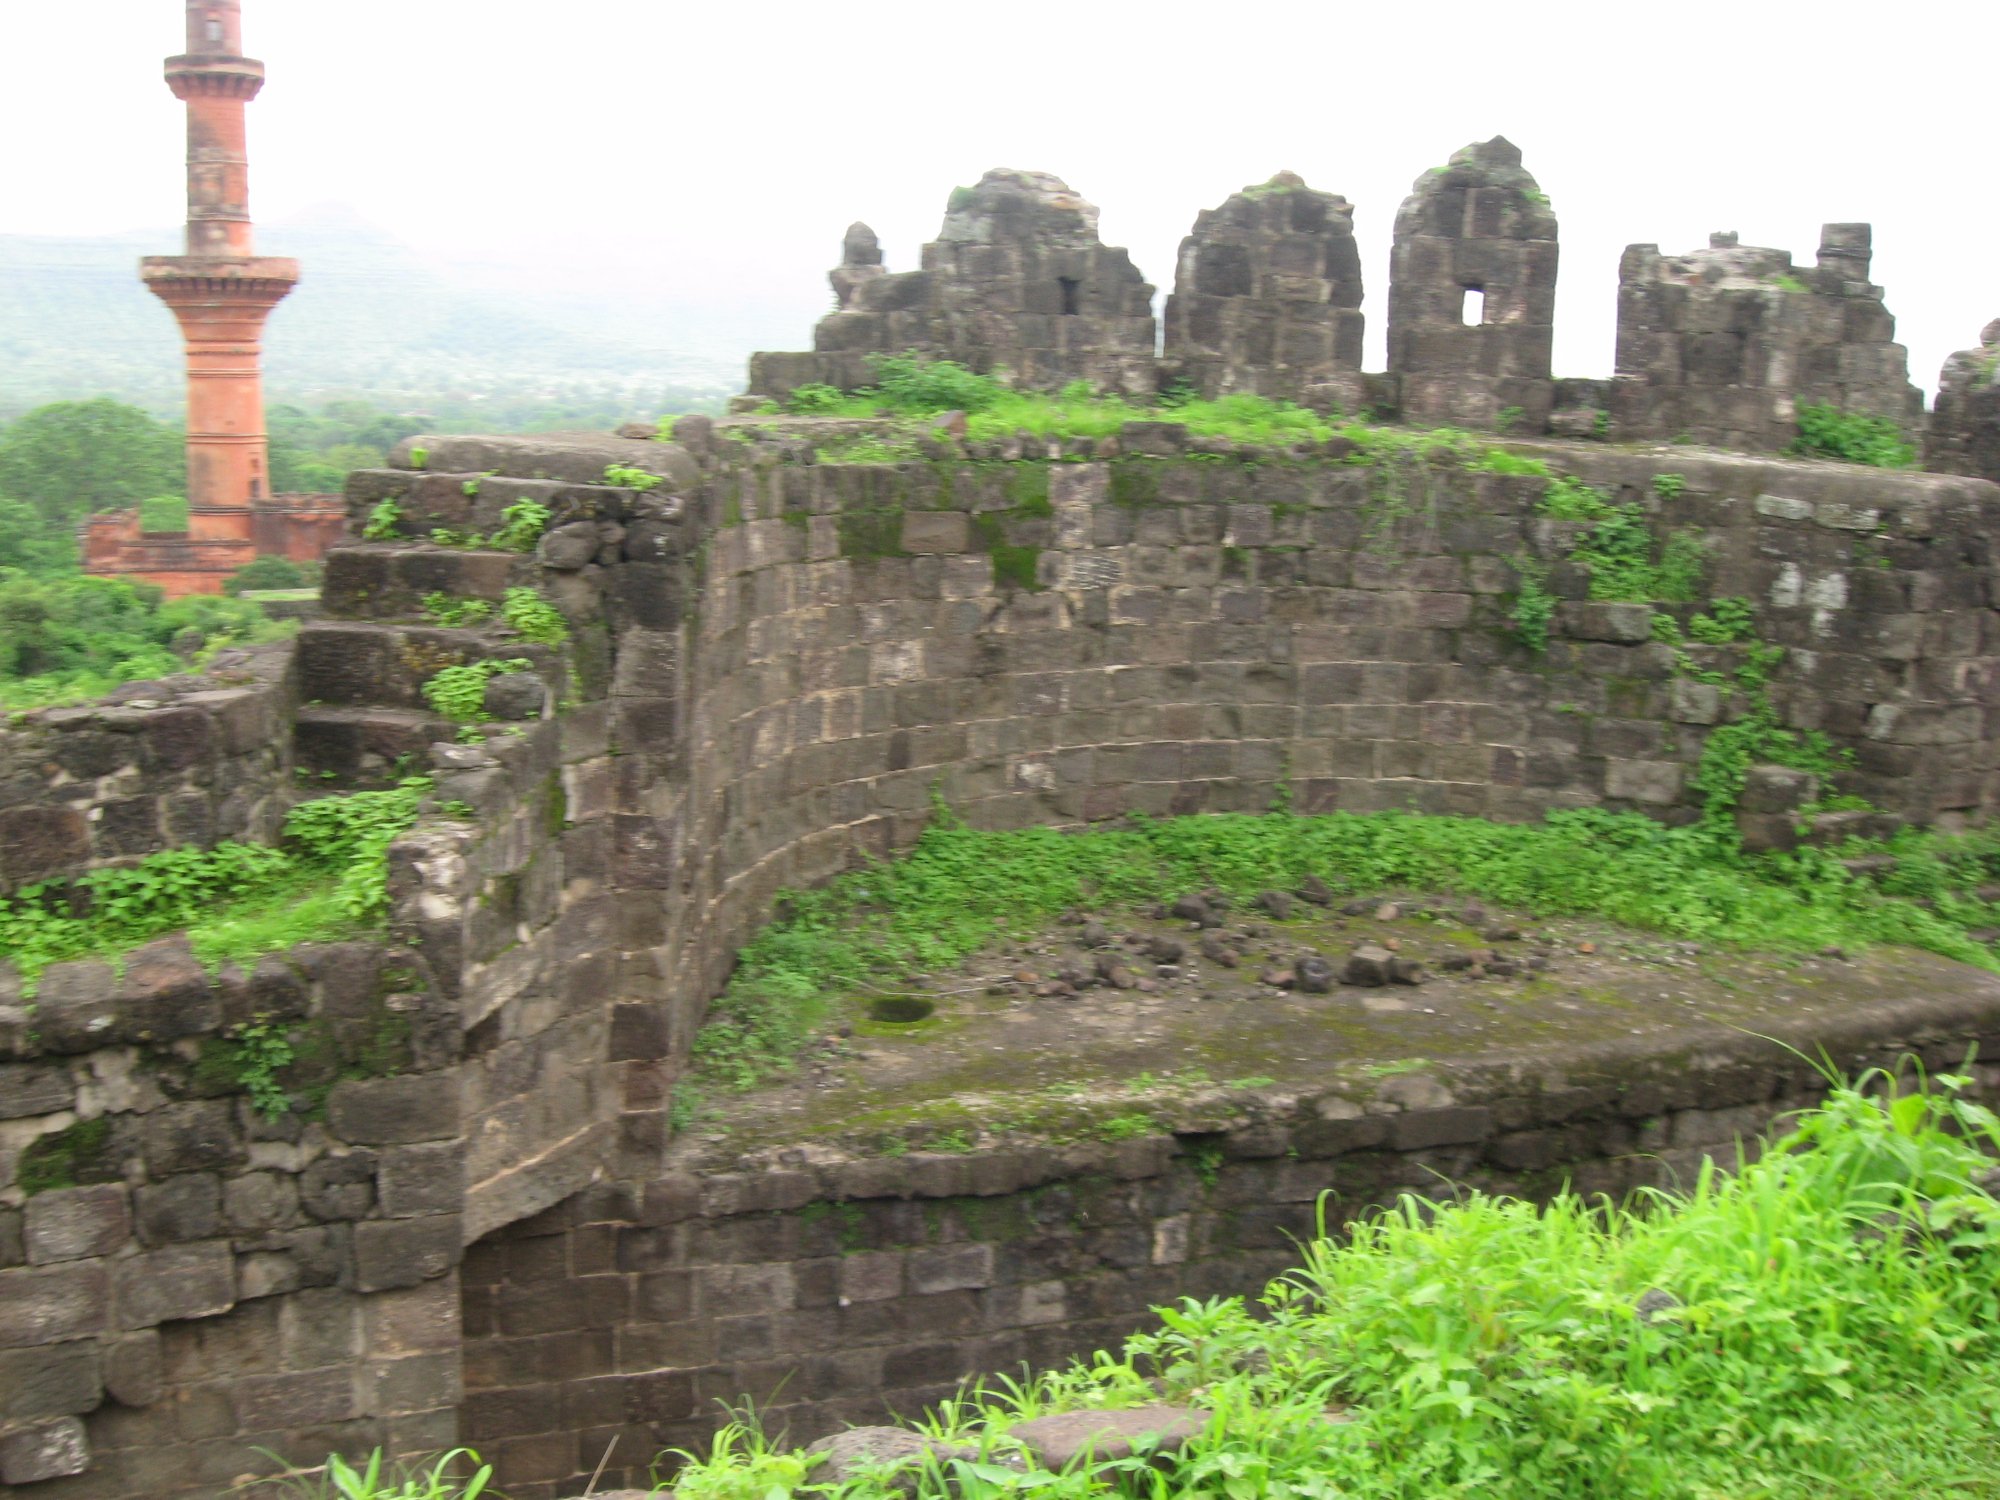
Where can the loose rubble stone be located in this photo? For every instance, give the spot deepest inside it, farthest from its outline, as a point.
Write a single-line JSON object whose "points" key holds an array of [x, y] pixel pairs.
{"points": [[1056, 1442], [1368, 965]]}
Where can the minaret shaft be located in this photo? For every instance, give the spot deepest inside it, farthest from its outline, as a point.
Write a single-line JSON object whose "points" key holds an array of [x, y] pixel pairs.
{"points": [[221, 291]]}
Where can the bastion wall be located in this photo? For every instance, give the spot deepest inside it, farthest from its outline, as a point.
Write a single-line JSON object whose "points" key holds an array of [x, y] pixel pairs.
{"points": [[471, 1221]]}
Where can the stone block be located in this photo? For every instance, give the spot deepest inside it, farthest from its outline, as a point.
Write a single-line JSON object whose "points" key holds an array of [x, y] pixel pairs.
{"points": [[1595, 620], [1656, 782], [198, 1136], [47, 1304], [45, 1450], [950, 1268], [936, 531], [184, 1208], [76, 1007], [37, 843], [394, 1253], [260, 1201], [164, 1286], [54, 1380], [76, 1223], [339, 1188], [34, 1089], [133, 1373], [392, 1111], [421, 1179], [1777, 789]]}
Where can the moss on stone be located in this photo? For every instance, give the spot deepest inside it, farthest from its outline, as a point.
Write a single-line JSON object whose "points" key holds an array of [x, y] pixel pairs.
{"points": [[68, 1157], [1135, 482], [871, 535]]}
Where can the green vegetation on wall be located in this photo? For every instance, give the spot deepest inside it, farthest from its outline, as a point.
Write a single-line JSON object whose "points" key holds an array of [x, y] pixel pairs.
{"points": [[1852, 437], [236, 901], [959, 888], [1820, 1323]]}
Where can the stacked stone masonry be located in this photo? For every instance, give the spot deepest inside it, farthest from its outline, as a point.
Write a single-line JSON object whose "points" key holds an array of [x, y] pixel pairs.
{"points": [[849, 1292], [774, 663], [189, 760], [1724, 345], [1017, 279], [1721, 346], [1964, 432], [1267, 298]]}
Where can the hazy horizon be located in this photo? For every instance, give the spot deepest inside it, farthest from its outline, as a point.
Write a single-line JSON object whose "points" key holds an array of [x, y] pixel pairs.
{"points": [[695, 172]]}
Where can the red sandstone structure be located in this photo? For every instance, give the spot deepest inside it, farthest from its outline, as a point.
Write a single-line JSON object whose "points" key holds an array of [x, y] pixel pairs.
{"points": [[221, 291]]}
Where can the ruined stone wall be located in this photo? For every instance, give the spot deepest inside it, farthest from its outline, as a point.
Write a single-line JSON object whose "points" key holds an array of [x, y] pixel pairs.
{"points": [[1964, 432], [1724, 345], [1017, 279], [1267, 298], [190, 760], [1476, 232], [184, 1279], [837, 1291], [775, 663]]}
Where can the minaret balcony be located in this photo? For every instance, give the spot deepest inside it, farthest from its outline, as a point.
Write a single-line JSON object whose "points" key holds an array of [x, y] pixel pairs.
{"points": [[215, 77], [248, 278]]}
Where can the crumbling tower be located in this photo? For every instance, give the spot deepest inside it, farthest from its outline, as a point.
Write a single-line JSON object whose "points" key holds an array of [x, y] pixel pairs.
{"points": [[221, 290]]}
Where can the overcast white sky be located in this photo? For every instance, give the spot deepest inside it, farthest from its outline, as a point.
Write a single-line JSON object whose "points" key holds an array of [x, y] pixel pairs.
{"points": [[661, 147]]}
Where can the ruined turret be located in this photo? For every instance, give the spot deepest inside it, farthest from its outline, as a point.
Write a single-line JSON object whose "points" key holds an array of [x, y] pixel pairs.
{"points": [[1723, 345], [1267, 297], [1472, 289], [1964, 435], [860, 263], [1016, 281]]}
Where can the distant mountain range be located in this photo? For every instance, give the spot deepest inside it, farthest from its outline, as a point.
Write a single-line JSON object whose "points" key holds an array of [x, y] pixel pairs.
{"points": [[370, 318]]}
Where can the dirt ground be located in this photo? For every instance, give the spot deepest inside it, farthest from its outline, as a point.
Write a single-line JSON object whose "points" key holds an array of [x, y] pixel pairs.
{"points": [[1113, 1023]]}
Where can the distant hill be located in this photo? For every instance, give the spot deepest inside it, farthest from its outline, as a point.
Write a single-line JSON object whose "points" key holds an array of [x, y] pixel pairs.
{"points": [[371, 317]]}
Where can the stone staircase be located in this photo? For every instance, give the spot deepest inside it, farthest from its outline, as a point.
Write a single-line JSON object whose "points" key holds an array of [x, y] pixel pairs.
{"points": [[363, 720]]}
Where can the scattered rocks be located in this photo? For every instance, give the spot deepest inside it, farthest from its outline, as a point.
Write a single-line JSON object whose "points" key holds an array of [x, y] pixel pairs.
{"points": [[1217, 950], [1094, 935], [1190, 909], [1388, 911], [1313, 975], [871, 1450], [1277, 903], [1360, 908], [1502, 934], [1278, 978], [1316, 891], [1167, 950]]}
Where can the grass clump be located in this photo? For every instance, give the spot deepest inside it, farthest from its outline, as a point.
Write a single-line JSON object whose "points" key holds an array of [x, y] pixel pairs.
{"points": [[1851, 437], [1822, 1322], [959, 888], [235, 901]]}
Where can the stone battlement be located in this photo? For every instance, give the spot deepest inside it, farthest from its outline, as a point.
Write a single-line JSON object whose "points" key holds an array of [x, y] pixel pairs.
{"points": [[1720, 346]]}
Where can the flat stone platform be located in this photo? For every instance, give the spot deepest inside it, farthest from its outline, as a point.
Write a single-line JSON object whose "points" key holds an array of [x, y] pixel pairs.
{"points": [[1114, 1025]]}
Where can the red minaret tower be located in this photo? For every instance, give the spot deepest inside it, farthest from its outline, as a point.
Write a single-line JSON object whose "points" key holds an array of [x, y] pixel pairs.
{"points": [[221, 290]]}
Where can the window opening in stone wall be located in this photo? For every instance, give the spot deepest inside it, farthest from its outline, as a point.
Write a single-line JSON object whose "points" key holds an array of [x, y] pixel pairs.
{"points": [[214, 28], [1472, 312], [1070, 287]]}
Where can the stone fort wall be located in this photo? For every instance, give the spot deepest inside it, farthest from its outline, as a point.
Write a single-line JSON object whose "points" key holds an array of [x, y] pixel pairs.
{"points": [[776, 661]]}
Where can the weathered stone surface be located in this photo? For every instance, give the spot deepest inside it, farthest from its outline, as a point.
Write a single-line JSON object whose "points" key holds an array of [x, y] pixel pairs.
{"points": [[1267, 298], [42, 1305], [77, 1223], [1472, 282], [391, 1111], [873, 1450], [54, 1380], [1724, 345], [1017, 279], [44, 1450], [1097, 1437], [1963, 435], [186, 1281]]}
